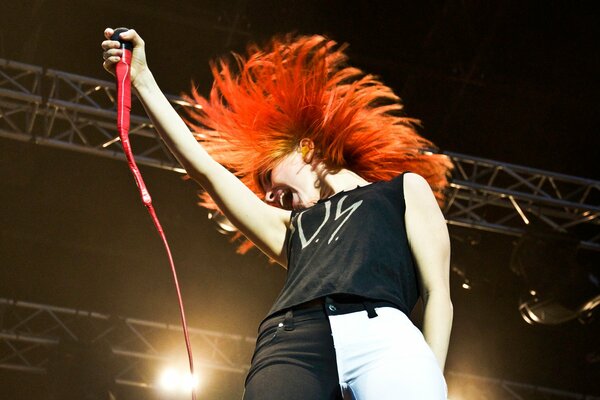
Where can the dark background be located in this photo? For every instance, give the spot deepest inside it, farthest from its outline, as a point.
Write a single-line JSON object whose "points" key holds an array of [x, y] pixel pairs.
{"points": [[511, 81]]}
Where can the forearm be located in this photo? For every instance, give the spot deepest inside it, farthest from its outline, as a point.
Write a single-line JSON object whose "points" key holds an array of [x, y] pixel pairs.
{"points": [[265, 226], [171, 128], [437, 324]]}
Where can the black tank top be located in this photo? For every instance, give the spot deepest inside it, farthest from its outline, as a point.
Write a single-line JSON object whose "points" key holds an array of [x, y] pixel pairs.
{"points": [[352, 243]]}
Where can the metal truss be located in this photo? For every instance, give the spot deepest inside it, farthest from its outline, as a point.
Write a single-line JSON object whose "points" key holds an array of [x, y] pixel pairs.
{"points": [[31, 333], [504, 198], [467, 386], [74, 112]]}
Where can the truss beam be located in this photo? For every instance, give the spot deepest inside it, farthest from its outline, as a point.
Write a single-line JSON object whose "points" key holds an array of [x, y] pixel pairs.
{"points": [[30, 332], [74, 112]]}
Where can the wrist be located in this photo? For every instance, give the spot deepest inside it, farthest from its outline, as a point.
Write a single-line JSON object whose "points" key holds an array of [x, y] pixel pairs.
{"points": [[144, 81]]}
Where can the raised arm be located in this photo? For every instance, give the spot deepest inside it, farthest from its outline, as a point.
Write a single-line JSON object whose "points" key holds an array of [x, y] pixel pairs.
{"points": [[430, 245], [263, 224]]}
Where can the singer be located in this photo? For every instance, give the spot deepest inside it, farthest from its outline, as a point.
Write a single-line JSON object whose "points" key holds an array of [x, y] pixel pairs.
{"points": [[310, 159]]}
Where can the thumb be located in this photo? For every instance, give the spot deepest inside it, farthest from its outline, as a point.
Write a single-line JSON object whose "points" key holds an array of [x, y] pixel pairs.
{"points": [[132, 36]]}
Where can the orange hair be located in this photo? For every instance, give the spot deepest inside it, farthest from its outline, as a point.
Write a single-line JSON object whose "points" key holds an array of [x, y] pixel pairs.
{"points": [[300, 87]]}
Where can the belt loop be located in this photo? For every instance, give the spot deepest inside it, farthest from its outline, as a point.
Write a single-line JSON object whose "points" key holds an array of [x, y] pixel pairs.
{"points": [[371, 313], [288, 322]]}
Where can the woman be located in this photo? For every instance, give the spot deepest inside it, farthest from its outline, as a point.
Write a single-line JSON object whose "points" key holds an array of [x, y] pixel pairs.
{"points": [[361, 237]]}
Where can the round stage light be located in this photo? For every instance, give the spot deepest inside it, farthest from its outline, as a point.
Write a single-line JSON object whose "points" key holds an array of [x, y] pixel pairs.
{"points": [[173, 380]]}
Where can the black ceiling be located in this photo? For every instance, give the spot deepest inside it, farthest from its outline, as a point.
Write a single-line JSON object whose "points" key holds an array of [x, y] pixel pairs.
{"points": [[512, 81]]}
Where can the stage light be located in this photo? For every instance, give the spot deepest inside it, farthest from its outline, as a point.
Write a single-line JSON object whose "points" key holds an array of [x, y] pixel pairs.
{"points": [[557, 288], [172, 380], [189, 383], [223, 224], [185, 103], [169, 379], [466, 255], [111, 141]]}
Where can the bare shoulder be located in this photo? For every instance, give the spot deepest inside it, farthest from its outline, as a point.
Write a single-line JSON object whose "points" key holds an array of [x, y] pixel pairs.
{"points": [[415, 181], [417, 192], [425, 226]]}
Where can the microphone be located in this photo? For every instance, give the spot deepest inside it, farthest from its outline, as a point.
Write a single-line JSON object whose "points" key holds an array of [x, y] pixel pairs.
{"points": [[123, 81], [125, 44], [122, 70]]}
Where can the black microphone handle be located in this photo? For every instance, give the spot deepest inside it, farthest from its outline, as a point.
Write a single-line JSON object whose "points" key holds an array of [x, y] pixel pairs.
{"points": [[124, 43]]}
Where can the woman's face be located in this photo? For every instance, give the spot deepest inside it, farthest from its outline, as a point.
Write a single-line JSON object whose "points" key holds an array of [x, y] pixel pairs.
{"points": [[293, 184]]}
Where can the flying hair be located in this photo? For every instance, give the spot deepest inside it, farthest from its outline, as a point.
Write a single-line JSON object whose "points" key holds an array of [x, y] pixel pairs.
{"points": [[262, 104]]}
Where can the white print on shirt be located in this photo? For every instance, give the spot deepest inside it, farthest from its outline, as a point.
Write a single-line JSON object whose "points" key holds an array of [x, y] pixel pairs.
{"points": [[338, 213]]}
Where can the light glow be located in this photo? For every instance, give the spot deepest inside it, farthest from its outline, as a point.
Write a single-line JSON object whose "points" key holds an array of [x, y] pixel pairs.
{"points": [[168, 380], [172, 380]]}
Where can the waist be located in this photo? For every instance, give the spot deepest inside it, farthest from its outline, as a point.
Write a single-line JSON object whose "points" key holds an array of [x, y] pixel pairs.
{"points": [[321, 307], [342, 304]]}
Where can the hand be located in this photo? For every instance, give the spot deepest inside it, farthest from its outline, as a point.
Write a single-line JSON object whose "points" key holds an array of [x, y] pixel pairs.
{"points": [[112, 53]]}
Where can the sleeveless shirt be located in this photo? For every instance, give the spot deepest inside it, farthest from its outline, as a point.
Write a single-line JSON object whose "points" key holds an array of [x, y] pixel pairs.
{"points": [[352, 243]]}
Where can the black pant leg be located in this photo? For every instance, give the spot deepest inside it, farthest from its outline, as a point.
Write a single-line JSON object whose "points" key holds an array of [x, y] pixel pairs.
{"points": [[295, 361]]}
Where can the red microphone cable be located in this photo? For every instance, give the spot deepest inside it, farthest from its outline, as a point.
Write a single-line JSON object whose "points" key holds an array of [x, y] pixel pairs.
{"points": [[122, 73]]}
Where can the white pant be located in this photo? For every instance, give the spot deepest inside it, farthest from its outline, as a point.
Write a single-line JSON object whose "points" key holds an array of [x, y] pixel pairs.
{"points": [[384, 358]]}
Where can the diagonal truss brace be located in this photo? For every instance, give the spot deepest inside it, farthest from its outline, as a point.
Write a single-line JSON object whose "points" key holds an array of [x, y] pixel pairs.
{"points": [[29, 332], [504, 198], [480, 387], [74, 112]]}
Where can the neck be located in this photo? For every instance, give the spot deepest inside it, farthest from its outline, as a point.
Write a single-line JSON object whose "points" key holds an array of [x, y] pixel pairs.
{"points": [[342, 180]]}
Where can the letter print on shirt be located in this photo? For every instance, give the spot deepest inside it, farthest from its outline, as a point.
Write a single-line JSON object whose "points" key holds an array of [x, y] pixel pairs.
{"points": [[338, 214]]}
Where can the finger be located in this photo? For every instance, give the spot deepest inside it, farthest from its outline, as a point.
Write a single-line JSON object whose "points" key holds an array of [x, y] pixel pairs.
{"points": [[109, 66], [112, 59], [111, 53], [108, 32], [132, 36], [110, 44]]}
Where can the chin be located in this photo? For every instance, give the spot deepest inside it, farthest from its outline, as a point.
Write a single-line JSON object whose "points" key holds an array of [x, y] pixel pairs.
{"points": [[304, 205], [312, 202]]}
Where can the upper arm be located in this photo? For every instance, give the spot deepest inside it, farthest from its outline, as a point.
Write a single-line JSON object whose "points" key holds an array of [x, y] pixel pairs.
{"points": [[427, 235], [264, 225]]}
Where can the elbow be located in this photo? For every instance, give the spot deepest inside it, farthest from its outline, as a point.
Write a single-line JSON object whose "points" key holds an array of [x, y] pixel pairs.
{"points": [[446, 302], [441, 298], [449, 308]]}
